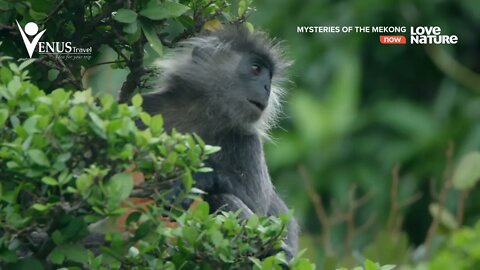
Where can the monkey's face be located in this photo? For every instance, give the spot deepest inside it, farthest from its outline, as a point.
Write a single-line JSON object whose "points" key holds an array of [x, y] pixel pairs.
{"points": [[250, 91], [226, 79]]}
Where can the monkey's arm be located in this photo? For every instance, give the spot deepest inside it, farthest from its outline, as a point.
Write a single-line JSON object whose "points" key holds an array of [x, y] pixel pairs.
{"points": [[277, 207], [228, 203], [212, 183], [219, 188]]}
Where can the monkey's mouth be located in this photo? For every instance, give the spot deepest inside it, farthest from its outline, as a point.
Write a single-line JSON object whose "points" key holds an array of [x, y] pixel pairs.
{"points": [[257, 104]]}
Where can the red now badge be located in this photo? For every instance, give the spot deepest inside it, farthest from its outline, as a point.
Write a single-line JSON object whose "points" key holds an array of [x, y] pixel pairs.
{"points": [[393, 40]]}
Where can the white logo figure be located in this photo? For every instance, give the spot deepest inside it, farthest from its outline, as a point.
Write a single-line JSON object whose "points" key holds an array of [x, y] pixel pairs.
{"points": [[31, 29]]}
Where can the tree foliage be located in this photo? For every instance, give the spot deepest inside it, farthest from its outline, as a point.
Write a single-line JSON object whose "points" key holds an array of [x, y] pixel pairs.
{"points": [[72, 163], [358, 108], [137, 31]]}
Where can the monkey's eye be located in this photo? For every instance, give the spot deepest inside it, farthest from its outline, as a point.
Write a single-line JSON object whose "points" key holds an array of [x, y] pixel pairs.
{"points": [[256, 69]]}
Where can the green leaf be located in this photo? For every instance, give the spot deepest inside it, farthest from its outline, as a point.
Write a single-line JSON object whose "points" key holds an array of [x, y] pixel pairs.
{"points": [[190, 234], [211, 149], [305, 264], [38, 157], [83, 182], [71, 189], [143, 230], [216, 237], [49, 181], [14, 68], [205, 170], [57, 237], [98, 125], [131, 28], [137, 101], [70, 252], [120, 185], [114, 126], [146, 118], [30, 124], [52, 74], [57, 256], [201, 211], [369, 265], [242, 8], [152, 38], [256, 262], [180, 148], [3, 117], [63, 157], [467, 172], [14, 85], [132, 36], [156, 124], [75, 253], [164, 11], [40, 207], [187, 180], [97, 120], [107, 100], [172, 158], [82, 97], [443, 215], [133, 217], [77, 113], [253, 221], [197, 191], [250, 27], [186, 21], [7, 255], [125, 15], [26, 63], [27, 264], [6, 74], [268, 263], [37, 16]]}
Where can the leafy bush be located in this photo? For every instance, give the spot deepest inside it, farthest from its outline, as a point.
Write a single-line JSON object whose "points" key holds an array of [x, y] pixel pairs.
{"points": [[122, 35], [369, 265], [71, 163], [460, 251]]}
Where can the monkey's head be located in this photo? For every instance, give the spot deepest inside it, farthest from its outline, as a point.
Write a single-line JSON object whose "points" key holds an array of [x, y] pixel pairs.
{"points": [[235, 74]]}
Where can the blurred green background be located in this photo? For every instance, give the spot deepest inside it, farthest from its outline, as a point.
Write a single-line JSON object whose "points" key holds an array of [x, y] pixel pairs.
{"points": [[356, 108]]}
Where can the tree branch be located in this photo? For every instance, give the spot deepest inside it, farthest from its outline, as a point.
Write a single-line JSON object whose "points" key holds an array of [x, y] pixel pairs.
{"points": [[442, 197], [136, 71], [319, 210]]}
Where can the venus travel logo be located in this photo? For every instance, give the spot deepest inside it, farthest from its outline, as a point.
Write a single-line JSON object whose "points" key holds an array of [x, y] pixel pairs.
{"points": [[59, 49], [31, 29]]}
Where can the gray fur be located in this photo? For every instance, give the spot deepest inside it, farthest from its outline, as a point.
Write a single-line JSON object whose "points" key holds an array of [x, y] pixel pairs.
{"points": [[204, 94]]}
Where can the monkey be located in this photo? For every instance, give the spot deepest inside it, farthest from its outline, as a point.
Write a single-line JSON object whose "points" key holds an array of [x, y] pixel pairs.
{"points": [[225, 86]]}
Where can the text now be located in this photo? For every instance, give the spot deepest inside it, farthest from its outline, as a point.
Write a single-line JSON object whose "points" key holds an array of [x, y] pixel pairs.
{"points": [[393, 39]]}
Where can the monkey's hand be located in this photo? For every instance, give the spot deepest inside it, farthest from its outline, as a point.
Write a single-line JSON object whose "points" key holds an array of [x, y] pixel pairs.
{"points": [[208, 182]]}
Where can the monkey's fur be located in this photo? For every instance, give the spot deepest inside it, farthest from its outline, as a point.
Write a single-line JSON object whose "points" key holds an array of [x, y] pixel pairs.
{"points": [[224, 86]]}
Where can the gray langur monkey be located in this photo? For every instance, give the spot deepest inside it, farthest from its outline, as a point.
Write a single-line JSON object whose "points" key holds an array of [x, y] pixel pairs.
{"points": [[224, 86]]}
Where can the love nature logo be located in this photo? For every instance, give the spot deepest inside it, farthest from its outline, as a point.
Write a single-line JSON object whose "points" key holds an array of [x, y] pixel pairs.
{"points": [[418, 34], [61, 49]]}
